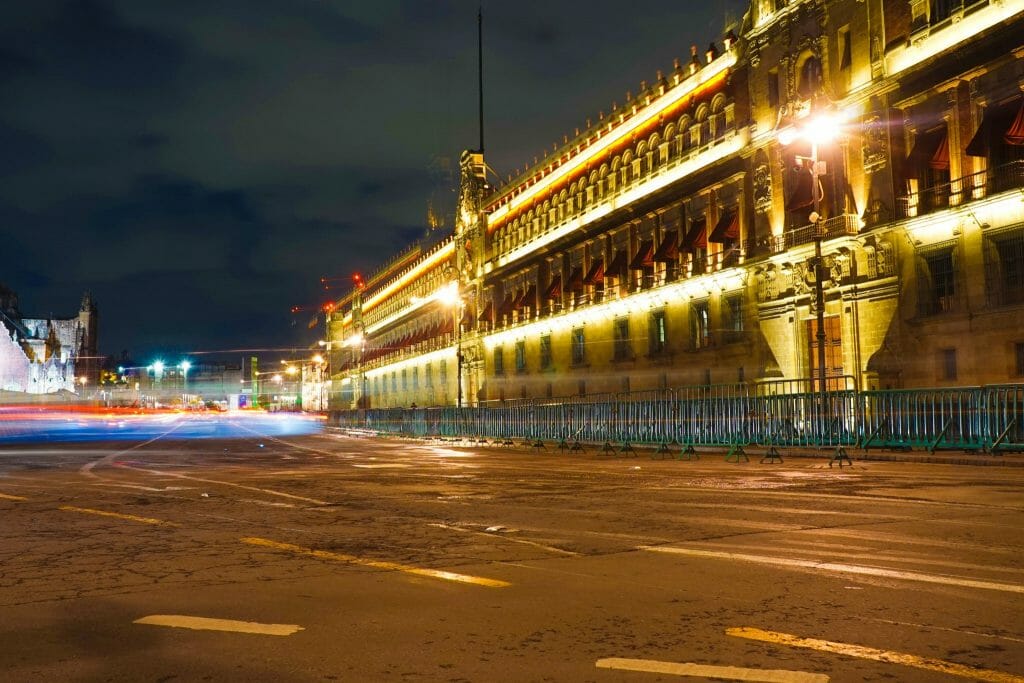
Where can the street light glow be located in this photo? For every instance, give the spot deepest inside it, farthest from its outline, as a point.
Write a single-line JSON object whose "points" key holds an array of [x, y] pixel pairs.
{"points": [[158, 367], [449, 294], [355, 340], [185, 365], [318, 358], [291, 369]]}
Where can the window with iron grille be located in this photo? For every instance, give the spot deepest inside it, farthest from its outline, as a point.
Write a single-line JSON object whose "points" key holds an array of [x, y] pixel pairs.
{"points": [[657, 334], [1019, 351], [545, 352], [394, 382], [947, 364], [1004, 268], [700, 325], [578, 346], [405, 379], [520, 356], [442, 372], [415, 379], [622, 350], [734, 317], [499, 361], [937, 282], [428, 376]]}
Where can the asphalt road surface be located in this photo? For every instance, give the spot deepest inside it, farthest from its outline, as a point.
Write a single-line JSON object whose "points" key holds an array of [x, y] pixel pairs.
{"points": [[340, 557]]}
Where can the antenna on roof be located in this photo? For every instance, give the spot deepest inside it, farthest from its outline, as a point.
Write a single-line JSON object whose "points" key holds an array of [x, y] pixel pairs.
{"points": [[480, 67]]}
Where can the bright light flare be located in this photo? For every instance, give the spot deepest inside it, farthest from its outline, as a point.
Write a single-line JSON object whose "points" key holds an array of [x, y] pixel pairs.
{"points": [[355, 340], [449, 294]]}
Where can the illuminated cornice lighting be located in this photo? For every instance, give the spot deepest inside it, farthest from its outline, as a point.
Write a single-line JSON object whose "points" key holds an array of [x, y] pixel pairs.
{"points": [[652, 298], [652, 184], [686, 88], [442, 252], [445, 353], [940, 41], [1003, 209], [447, 295]]}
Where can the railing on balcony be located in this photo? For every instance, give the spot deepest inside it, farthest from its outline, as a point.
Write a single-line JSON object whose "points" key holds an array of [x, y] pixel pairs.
{"points": [[961, 190], [837, 226]]}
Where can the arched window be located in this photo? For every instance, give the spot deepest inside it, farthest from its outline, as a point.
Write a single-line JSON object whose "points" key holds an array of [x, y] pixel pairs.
{"points": [[810, 78], [626, 169], [642, 163], [702, 132], [683, 134]]}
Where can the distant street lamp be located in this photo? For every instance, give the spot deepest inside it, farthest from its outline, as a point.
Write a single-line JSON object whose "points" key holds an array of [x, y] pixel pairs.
{"points": [[185, 367]]}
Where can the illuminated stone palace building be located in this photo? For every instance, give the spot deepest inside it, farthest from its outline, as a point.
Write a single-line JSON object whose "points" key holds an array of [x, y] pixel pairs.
{"points": [[672, 241]]}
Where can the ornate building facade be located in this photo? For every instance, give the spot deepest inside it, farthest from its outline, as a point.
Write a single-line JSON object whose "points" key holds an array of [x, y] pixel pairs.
{"points": [[834, 190], [47, 355]]}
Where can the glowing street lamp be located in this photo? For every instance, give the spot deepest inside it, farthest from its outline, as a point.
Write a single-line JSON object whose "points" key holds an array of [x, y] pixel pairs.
{"points": [[818, 130], [449, 296]]}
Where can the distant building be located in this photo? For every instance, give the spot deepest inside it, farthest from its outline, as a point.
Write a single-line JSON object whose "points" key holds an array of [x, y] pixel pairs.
{"points": [[830, 193], [47, 355]]}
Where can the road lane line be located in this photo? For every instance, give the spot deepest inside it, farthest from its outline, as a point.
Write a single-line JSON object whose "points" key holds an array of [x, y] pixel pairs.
{"points": [[206, 624], [378, 564], [7, 496], [729, 673], [888, 656], [549, 548], [117, 515], [269, 492], [839, 568]]}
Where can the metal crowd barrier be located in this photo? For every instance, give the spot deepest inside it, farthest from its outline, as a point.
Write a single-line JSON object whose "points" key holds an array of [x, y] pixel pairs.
{"points": [[787, 413]]}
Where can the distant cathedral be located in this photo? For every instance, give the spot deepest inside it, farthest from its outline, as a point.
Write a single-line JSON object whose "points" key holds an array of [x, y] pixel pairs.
{"points": [[47, 355]]}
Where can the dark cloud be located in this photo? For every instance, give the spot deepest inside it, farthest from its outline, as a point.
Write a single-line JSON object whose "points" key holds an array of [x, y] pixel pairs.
{"points": [[200, 165]]}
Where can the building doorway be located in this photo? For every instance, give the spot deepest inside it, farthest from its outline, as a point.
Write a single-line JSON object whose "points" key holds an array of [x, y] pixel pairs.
{"points": [[833, 353]]}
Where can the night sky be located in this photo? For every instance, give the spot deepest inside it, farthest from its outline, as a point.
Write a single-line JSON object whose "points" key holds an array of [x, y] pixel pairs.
{"points": [[200, 165]]}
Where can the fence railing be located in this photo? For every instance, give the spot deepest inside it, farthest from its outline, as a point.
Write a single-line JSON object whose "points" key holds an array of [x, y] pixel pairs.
{"points": [[989, 418]]}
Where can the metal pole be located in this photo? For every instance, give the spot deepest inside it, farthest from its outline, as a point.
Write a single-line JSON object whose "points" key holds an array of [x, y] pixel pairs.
{"points": [[819, 290], [458, 354]]}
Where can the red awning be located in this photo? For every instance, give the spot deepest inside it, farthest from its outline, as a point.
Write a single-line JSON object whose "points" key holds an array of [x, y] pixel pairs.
{"points": [[530, 297], [697, 235], [1001, 124], [1014, 135], [668, 250], [596, 273], [575, 282], [554, 289], [488, 312], [617, 266], [930, 149], [727, 229], [506, 305], [940, 160], [802, 196], [467, 317], [644, 256], [517, 300]]}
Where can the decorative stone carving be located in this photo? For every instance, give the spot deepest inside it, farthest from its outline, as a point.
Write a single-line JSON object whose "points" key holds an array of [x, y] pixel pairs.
{"points": [[762, 187], [874, 150]]}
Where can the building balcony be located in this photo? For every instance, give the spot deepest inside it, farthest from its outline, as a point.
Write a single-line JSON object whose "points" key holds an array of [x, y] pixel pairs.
{"points": [[961, 190], [830, 228]]}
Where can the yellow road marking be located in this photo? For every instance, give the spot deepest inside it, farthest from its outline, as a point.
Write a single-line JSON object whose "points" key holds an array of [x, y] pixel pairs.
{"points": [[117, 515], [841, 568], [205, 624], [730, 673], [940, 665], [7, 496], [378, 564]]}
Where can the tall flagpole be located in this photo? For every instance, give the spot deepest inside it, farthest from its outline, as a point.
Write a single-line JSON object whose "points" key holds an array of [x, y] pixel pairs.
{"points": [[480, 68]]}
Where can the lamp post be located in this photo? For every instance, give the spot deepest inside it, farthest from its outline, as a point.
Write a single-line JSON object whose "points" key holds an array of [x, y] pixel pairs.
{"points": [[185, 367], [450, 296], [820, 129], [358, 342]]}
